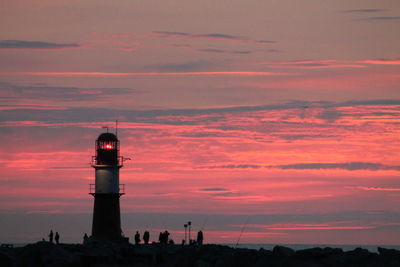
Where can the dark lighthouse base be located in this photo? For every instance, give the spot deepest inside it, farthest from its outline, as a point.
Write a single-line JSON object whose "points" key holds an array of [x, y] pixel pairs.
{"points": [[107, 219]]}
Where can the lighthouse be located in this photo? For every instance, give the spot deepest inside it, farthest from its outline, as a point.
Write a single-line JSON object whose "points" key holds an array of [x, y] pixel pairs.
{"points": [[107, 190]]}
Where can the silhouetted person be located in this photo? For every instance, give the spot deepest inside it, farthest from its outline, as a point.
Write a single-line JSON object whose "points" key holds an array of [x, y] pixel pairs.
{"points": [[163, 237], [166, 237], [137, 238], [85, 237], [57, 238], [160, 237], [51, 236], [200, 237], [146, 237]]}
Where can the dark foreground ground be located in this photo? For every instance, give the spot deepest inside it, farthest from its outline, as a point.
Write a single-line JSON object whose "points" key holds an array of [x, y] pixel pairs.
{"points": [[48, 254]]}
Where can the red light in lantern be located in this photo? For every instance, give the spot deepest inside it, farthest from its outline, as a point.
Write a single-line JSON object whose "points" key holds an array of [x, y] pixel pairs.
{"points": [[108, 146]]}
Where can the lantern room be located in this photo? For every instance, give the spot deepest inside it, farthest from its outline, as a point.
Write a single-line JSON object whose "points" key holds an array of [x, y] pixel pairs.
{"points": [[107, 150]]}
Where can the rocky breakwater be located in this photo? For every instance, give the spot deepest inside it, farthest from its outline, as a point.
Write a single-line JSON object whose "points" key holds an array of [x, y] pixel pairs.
{"points": [[48, 254]]}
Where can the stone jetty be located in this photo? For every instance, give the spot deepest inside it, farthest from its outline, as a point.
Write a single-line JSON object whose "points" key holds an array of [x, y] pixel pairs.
{"points": [[49, 254]]}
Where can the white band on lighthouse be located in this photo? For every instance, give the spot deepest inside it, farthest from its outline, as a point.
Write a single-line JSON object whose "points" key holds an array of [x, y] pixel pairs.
{"points": [[107, 180]]}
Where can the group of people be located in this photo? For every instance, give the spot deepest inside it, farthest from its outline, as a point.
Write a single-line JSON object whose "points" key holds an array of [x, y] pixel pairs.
{"points": [[163, 238], [146, 237], [56, 237]]}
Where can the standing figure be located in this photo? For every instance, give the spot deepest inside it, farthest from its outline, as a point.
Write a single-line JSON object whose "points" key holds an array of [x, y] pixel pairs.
{"points": [[57, 238], [85, 237], [166, 237], [51, 236], [200, 237], [137, 238], [146, 237]]}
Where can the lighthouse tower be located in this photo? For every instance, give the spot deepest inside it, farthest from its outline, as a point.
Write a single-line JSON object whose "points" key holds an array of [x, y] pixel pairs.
{"points": [[107, 190]]}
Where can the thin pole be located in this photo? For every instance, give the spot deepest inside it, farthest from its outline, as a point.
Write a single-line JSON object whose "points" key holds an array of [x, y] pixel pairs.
{"points": [[189, 223], [185, 225], [244, 226]]}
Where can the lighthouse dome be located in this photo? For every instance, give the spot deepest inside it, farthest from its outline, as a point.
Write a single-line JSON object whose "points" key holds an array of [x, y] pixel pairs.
{"points": [[107, 137]]}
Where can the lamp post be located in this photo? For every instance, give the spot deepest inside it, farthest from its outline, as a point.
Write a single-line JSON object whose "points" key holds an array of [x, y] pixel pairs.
{"points": [[185, 225], [190, 239]]}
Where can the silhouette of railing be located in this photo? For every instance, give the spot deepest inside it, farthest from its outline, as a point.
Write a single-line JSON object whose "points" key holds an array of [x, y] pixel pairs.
{"points": [[92, 189], [120, 161]]}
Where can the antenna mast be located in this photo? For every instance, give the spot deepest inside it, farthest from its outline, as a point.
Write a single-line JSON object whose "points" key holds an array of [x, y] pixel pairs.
{"points": [[116, 127]]}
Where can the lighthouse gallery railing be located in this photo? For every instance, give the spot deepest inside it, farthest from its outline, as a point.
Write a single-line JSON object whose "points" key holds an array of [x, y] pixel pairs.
{"points": [[92, 189]]}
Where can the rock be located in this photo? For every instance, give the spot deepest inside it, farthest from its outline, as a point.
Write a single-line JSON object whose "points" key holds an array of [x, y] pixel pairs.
{"points": [[281, 251], [42, 254], [202, 263], [7, 258], [392, 253], [390, 257], [360, 252], [109, 254], [317, 253]]}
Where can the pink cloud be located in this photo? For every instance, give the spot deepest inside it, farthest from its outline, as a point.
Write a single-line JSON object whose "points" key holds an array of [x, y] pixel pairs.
{"points": [[312, 64], [122, 74], [363, 80], [31, 107], [169, 150], [366, 188], [117, 43], [209, 36], [381, 61]]}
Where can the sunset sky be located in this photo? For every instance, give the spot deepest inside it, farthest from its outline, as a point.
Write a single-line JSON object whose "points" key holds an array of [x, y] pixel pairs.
{"points": [[282, 117]]}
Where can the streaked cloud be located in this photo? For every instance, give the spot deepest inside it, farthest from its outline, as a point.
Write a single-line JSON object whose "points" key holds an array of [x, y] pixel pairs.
{"points": [[188, 66], [174, 116], [364, 10], [13, 92], [213, 189], [238, 166], [381, 61], [210, 36], [7, 44], [350, 166], [214, 50], [143, 74], [30, 106], [312, 64], [366, 188], [383, 18]]}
